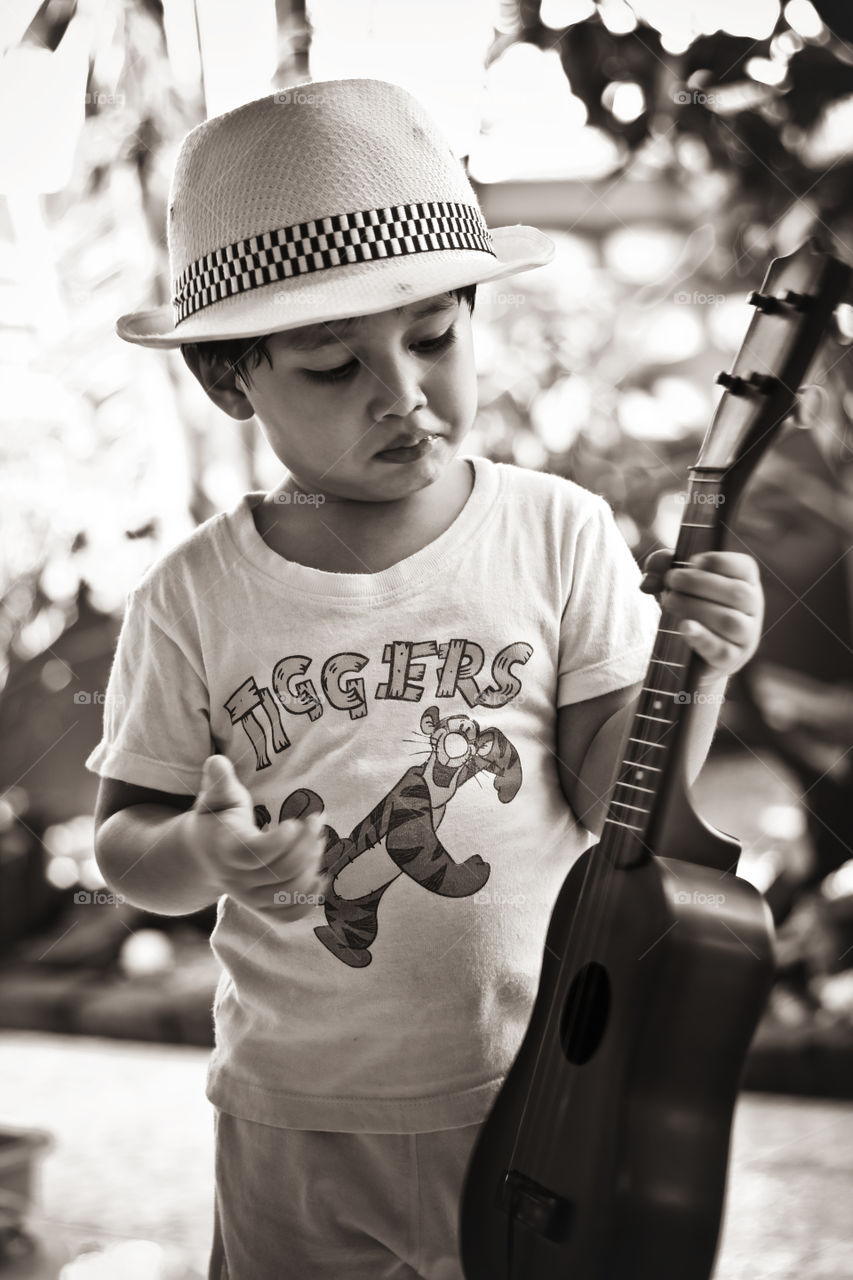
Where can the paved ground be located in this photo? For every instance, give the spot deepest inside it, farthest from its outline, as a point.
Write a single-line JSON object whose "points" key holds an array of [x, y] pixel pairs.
{"points": [[132, 1152], [133, 1148]]}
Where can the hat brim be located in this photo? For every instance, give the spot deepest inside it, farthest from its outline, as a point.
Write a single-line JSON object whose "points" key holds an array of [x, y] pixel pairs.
{"points": [[336, 293]]}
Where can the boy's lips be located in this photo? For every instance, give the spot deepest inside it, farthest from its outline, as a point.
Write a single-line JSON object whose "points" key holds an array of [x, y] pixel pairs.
{"points": [[408, 442]]}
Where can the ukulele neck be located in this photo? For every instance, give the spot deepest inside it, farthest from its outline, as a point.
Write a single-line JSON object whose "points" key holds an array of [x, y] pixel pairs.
{"points": [[656, 738]]}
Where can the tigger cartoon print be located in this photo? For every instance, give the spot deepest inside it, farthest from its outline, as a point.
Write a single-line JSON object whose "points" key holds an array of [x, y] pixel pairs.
{"points": [[398, 836]]}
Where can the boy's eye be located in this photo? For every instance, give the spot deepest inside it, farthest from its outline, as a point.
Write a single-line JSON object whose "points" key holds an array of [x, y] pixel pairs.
{"points": [[345, 371]]}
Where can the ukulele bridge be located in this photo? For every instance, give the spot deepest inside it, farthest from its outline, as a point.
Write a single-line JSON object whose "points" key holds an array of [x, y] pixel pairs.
{"points": [[538, 1208]]}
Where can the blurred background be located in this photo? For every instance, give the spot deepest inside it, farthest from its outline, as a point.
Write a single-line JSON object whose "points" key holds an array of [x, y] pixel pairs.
{"points": [[671, 150]]}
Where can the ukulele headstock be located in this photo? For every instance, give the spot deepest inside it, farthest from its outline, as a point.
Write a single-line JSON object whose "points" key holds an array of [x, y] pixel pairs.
{"points": [[792, 312]]}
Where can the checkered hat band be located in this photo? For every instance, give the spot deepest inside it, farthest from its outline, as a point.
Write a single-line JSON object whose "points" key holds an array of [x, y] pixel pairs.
{"points": [[328, 242]]}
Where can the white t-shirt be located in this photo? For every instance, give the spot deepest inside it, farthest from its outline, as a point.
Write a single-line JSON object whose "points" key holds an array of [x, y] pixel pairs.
{"points": [[416, 708]]}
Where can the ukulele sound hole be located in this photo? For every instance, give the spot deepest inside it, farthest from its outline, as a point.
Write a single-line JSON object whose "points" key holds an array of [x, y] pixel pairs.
{"points": [[585, 1013]]}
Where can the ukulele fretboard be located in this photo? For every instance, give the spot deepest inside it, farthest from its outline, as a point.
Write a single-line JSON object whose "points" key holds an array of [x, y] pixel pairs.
{"points": [[667, 689]]}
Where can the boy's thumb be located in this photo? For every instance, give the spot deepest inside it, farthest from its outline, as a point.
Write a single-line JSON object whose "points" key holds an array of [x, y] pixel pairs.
{"points": [[654, 569], [220, 786]]}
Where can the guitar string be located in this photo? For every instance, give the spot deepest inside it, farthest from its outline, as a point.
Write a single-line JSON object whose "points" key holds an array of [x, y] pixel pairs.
{"points": [[583, 923], [586, 924], [590, 930], [622, 840], [601, 874]]}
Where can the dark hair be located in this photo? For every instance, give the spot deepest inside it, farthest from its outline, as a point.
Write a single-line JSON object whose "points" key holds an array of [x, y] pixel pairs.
{"points": [[236, 352]]}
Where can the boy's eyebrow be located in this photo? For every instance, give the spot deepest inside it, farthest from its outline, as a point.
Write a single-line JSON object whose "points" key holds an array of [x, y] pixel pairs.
{"points": [[313, 336]]}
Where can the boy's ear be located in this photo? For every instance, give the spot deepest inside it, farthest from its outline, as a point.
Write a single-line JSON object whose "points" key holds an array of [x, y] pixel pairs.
{"points": [[219, 382]]}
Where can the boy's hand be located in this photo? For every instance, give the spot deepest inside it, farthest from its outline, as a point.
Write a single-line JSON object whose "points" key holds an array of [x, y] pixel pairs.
{"points": [[263, 870], [719, 594]]}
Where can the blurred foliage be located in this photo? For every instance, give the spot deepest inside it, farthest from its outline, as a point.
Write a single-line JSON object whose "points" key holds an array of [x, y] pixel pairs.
{"points": [[584, 374], [772, 114]]}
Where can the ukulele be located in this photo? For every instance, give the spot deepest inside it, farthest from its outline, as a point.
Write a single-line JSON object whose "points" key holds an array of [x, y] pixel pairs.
{"points": [[605, 1154]]}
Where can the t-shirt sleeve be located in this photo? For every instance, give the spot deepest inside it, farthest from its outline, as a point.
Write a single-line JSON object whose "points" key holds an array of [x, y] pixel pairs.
{"points": [[156, 710], [608, 625]]}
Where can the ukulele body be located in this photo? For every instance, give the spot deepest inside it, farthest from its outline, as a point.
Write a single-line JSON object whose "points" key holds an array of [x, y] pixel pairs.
{"points": [[620, 1172], [605, 1153]]}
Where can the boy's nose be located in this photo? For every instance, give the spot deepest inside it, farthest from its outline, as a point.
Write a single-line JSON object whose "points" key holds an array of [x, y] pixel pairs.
{"points": [[400, 405], [397, 390]]}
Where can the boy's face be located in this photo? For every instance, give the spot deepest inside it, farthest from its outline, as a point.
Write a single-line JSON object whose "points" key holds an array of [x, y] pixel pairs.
{"points": [[339, 395]]}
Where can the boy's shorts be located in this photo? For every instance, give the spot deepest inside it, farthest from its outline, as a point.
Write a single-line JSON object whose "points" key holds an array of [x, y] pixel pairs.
{"points": [[336, 1206]]}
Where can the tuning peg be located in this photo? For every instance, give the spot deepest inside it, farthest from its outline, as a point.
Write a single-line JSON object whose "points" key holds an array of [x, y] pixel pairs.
{"points": [[736, 385], [799, 301], [764, 302], [763, 382]]}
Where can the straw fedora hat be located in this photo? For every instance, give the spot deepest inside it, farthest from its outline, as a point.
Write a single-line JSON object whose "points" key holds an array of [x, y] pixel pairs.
{"points": [[319, 202]]}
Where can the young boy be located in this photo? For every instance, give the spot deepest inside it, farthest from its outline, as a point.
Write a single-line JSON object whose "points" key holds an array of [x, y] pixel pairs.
{"points": [[373, 714]]}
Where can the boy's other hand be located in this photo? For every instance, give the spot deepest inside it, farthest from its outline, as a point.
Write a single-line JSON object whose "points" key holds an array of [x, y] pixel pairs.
{"points": [[718, 594], [277, 870]]}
